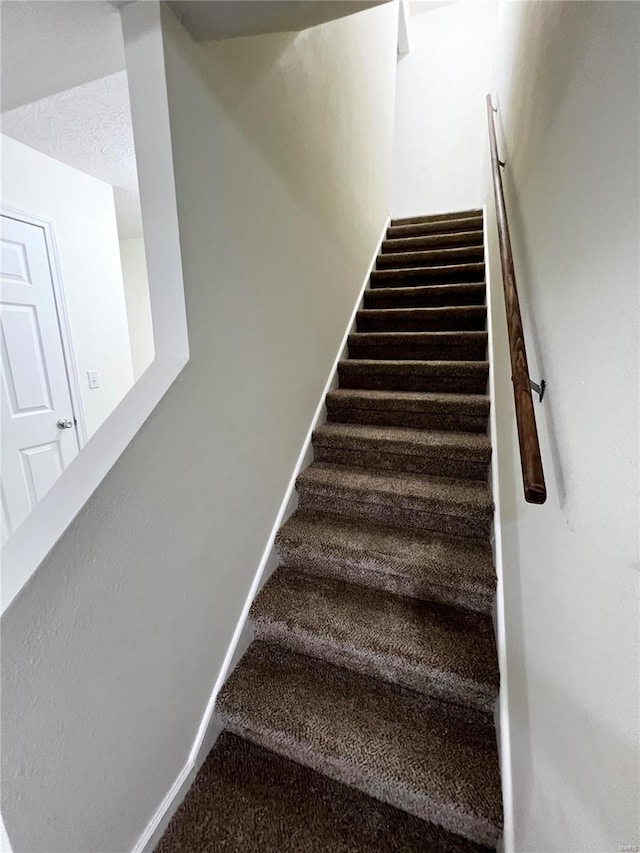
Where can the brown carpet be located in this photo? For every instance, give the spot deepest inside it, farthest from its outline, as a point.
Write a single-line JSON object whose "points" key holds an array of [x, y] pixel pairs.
{"points": [[361, 717], [246, 798]]}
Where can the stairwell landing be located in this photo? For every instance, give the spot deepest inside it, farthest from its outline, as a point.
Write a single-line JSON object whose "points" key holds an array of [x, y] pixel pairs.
{"points": [[361, 717]]}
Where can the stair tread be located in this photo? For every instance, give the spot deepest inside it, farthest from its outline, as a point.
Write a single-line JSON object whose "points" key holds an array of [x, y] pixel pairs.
{"points": [[401, 489], [398, 366], [436, 311], [455, 318], [429, 256], [431, 758], [440, 270], [468, 223], [402, 440], [384, 338], [457, 238], [469, 345], [446, 376], [426, 291], [249, 798], [449, 216], [418, 562], [407, 400], [442, 651]]}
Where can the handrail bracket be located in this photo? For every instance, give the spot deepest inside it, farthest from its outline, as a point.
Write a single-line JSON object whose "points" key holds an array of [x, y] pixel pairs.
{"points": [[538, 389]]}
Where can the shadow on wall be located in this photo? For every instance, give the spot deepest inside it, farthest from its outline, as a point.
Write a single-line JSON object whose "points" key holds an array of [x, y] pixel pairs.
{"points": [[251, 79], [549, 53]]}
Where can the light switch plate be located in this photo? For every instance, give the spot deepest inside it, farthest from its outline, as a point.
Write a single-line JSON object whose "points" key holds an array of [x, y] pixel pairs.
{"points": [[94, 379]]}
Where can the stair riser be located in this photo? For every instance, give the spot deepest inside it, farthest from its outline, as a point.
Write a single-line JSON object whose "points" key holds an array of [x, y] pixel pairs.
{"points": [[384, 321], [433, 241], [440, 465], [428, 518], [387, 668], [413, 382], [425, 297], [424, 275], [366, 573], [450, 422], [437, 257], [442, 226], [412, 352], [438, 217]]}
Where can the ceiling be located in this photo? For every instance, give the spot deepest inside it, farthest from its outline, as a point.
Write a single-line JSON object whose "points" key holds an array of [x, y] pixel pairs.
{"points": [[87, 127], [64, 92], [220, 19], [419, 6]]}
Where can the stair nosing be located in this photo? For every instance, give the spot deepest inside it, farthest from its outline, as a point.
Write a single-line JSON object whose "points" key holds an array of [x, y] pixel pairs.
{"points": [[410, 396], [427, 288], [443, 216], [473, 234], [478, 506], [423, 310], [426, 228], [459, 333], [445, 267], [452, 802], [435, 616], [431, 560], [407, 364], [446, 442], [459, 250]]}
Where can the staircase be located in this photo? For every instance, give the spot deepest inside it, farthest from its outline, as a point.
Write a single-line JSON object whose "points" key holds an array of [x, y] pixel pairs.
{"points": [[361, 717]]}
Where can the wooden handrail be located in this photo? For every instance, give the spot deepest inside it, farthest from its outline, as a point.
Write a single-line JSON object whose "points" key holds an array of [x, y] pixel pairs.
{"points": [[530, 460]]}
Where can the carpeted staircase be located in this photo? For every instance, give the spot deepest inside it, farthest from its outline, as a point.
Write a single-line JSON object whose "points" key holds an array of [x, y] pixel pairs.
{"points": [[361, 717]]}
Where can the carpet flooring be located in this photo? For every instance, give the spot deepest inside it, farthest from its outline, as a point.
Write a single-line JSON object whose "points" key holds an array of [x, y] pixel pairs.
{"points": [[361, 717]]}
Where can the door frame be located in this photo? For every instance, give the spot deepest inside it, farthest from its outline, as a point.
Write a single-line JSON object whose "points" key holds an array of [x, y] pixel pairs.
{"points": [[64, 327]]}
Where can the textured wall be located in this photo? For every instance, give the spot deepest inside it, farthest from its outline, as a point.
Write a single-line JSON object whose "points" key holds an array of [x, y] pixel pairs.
{"points": [[439, 142], [567, 86], [282, 146]]}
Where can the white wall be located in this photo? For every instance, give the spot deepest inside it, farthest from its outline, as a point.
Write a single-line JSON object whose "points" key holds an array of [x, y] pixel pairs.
{"points": [[440, 126], [282, 146], [136, 295], [82, 210], [567, 88]]}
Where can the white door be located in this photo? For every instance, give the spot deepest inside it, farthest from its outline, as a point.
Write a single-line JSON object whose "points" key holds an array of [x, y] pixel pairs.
{"points": [[39, 438]]}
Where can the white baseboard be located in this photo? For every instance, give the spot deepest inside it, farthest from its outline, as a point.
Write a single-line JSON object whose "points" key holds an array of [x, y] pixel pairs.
{"points": [[5, 845], [175, 795], [210, 727], [506, 844]]}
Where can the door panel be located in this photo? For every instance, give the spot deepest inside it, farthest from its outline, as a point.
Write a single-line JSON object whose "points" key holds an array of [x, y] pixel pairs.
{"points": [[42, 465], [26, 370], [35, 387]]}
